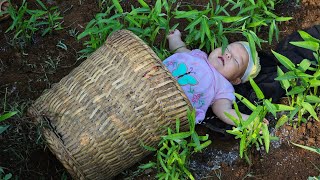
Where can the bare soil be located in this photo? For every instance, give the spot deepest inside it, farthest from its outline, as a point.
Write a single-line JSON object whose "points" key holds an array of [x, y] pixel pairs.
{"points": [[25, 74]]}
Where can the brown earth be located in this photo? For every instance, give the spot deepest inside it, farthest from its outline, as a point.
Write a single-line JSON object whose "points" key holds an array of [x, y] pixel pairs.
{"points": [[24, 74]]}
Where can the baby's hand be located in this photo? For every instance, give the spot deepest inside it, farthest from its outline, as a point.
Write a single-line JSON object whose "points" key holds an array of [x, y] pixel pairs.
{"points": [[174, 34], [265, 121]]}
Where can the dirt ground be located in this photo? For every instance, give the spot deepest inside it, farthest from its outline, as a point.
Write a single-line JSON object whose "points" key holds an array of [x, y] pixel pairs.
{"points": [[25, 74]]}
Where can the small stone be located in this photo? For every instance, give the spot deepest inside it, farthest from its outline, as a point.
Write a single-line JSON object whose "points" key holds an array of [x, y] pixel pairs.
{"points": [[302, 130], [311, 142], [309, 125], [289, 128]]}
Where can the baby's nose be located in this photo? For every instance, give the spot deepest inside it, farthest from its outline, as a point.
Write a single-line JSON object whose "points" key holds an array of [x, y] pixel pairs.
{"points": [[228, 55]]}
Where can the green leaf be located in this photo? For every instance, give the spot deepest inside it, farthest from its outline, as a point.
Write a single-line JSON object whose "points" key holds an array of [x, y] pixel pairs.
{"points": [[3, 128], [203, 145], [310, 109], [233, 119], [147, 165], [314, 83], [143, 4], [117, 5], [252, 47], [131, 20], [307, 37], [195, 139], [7, 115], [7, 176], [149, 148], [296, 90], [236, 108], [271, 107], [284, 118], [207, 30], [203, 138], [266, 136], [177, 136], [286, 76], [177, 125], [245, 102], [284, 61], [257, 24], [282, 107], [317, 74], [294, 112], [193, 24], [252, 117], [227, 19], [271, 30], [303, 75], [283, 18], [160, 160], [42, 5], [304, 65], [313, 149], [157, 7], [312, 99], [242, 145], [313, 46], [186, 14], [203, 28], [256, 89], [234, 131], [285, 84], [188, 173], [191, 114]]}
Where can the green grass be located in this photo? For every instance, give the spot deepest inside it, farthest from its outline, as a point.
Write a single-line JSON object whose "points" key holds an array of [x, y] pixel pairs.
{"points": [[27, 22], [174, 150]]}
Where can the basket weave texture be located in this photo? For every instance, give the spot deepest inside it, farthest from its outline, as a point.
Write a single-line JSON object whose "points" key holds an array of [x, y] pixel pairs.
{"points": [[95, 118]]}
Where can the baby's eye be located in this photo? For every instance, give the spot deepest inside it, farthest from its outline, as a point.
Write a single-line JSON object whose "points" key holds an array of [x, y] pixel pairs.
{"points": [[236, 62]]}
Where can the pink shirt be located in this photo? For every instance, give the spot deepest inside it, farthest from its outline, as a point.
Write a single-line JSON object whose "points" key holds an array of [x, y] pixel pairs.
{"points": [[201, 82]]}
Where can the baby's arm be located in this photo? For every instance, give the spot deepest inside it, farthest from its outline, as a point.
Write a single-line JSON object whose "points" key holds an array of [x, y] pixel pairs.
{"points": [[221, 106], [175, 42]]}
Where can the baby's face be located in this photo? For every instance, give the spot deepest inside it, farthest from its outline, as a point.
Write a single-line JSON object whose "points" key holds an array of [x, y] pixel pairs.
{"points": [[232, 63]]}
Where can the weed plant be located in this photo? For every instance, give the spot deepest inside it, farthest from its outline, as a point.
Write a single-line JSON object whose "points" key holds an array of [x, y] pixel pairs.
{"points": [[301, 81], [312, 149], [207, 28], [254, 130], [27, 22], [174, 150], [4, 117], [4, 176]]}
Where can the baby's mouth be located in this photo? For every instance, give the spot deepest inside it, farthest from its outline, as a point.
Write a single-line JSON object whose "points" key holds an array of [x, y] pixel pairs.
{"points": [[222, 60]]}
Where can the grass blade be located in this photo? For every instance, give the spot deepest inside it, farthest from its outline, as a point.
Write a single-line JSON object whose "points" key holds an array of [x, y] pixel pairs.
{"points": [[7, 115]]}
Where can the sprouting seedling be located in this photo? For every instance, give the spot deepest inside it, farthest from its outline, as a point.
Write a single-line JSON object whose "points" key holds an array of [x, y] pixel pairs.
{"points": [[26, 22], [312, 149], [301, 81], [254, 131], [174, 151]]}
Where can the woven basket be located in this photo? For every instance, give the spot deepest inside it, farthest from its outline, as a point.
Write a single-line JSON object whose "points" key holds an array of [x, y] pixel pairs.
{"points": [[95, 118]]}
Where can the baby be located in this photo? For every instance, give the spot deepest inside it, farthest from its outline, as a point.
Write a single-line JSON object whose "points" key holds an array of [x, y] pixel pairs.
{"points": [[207, 80]]}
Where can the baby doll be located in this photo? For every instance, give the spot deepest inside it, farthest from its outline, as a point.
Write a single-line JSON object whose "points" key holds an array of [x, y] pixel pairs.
{"points": [[207, 80]]}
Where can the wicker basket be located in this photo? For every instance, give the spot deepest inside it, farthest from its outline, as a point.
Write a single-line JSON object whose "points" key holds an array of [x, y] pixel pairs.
{"points": [[95, 118]]}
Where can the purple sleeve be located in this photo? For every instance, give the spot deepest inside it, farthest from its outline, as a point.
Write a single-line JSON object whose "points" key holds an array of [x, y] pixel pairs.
{"points": [[198, 53], [225, 90]]}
